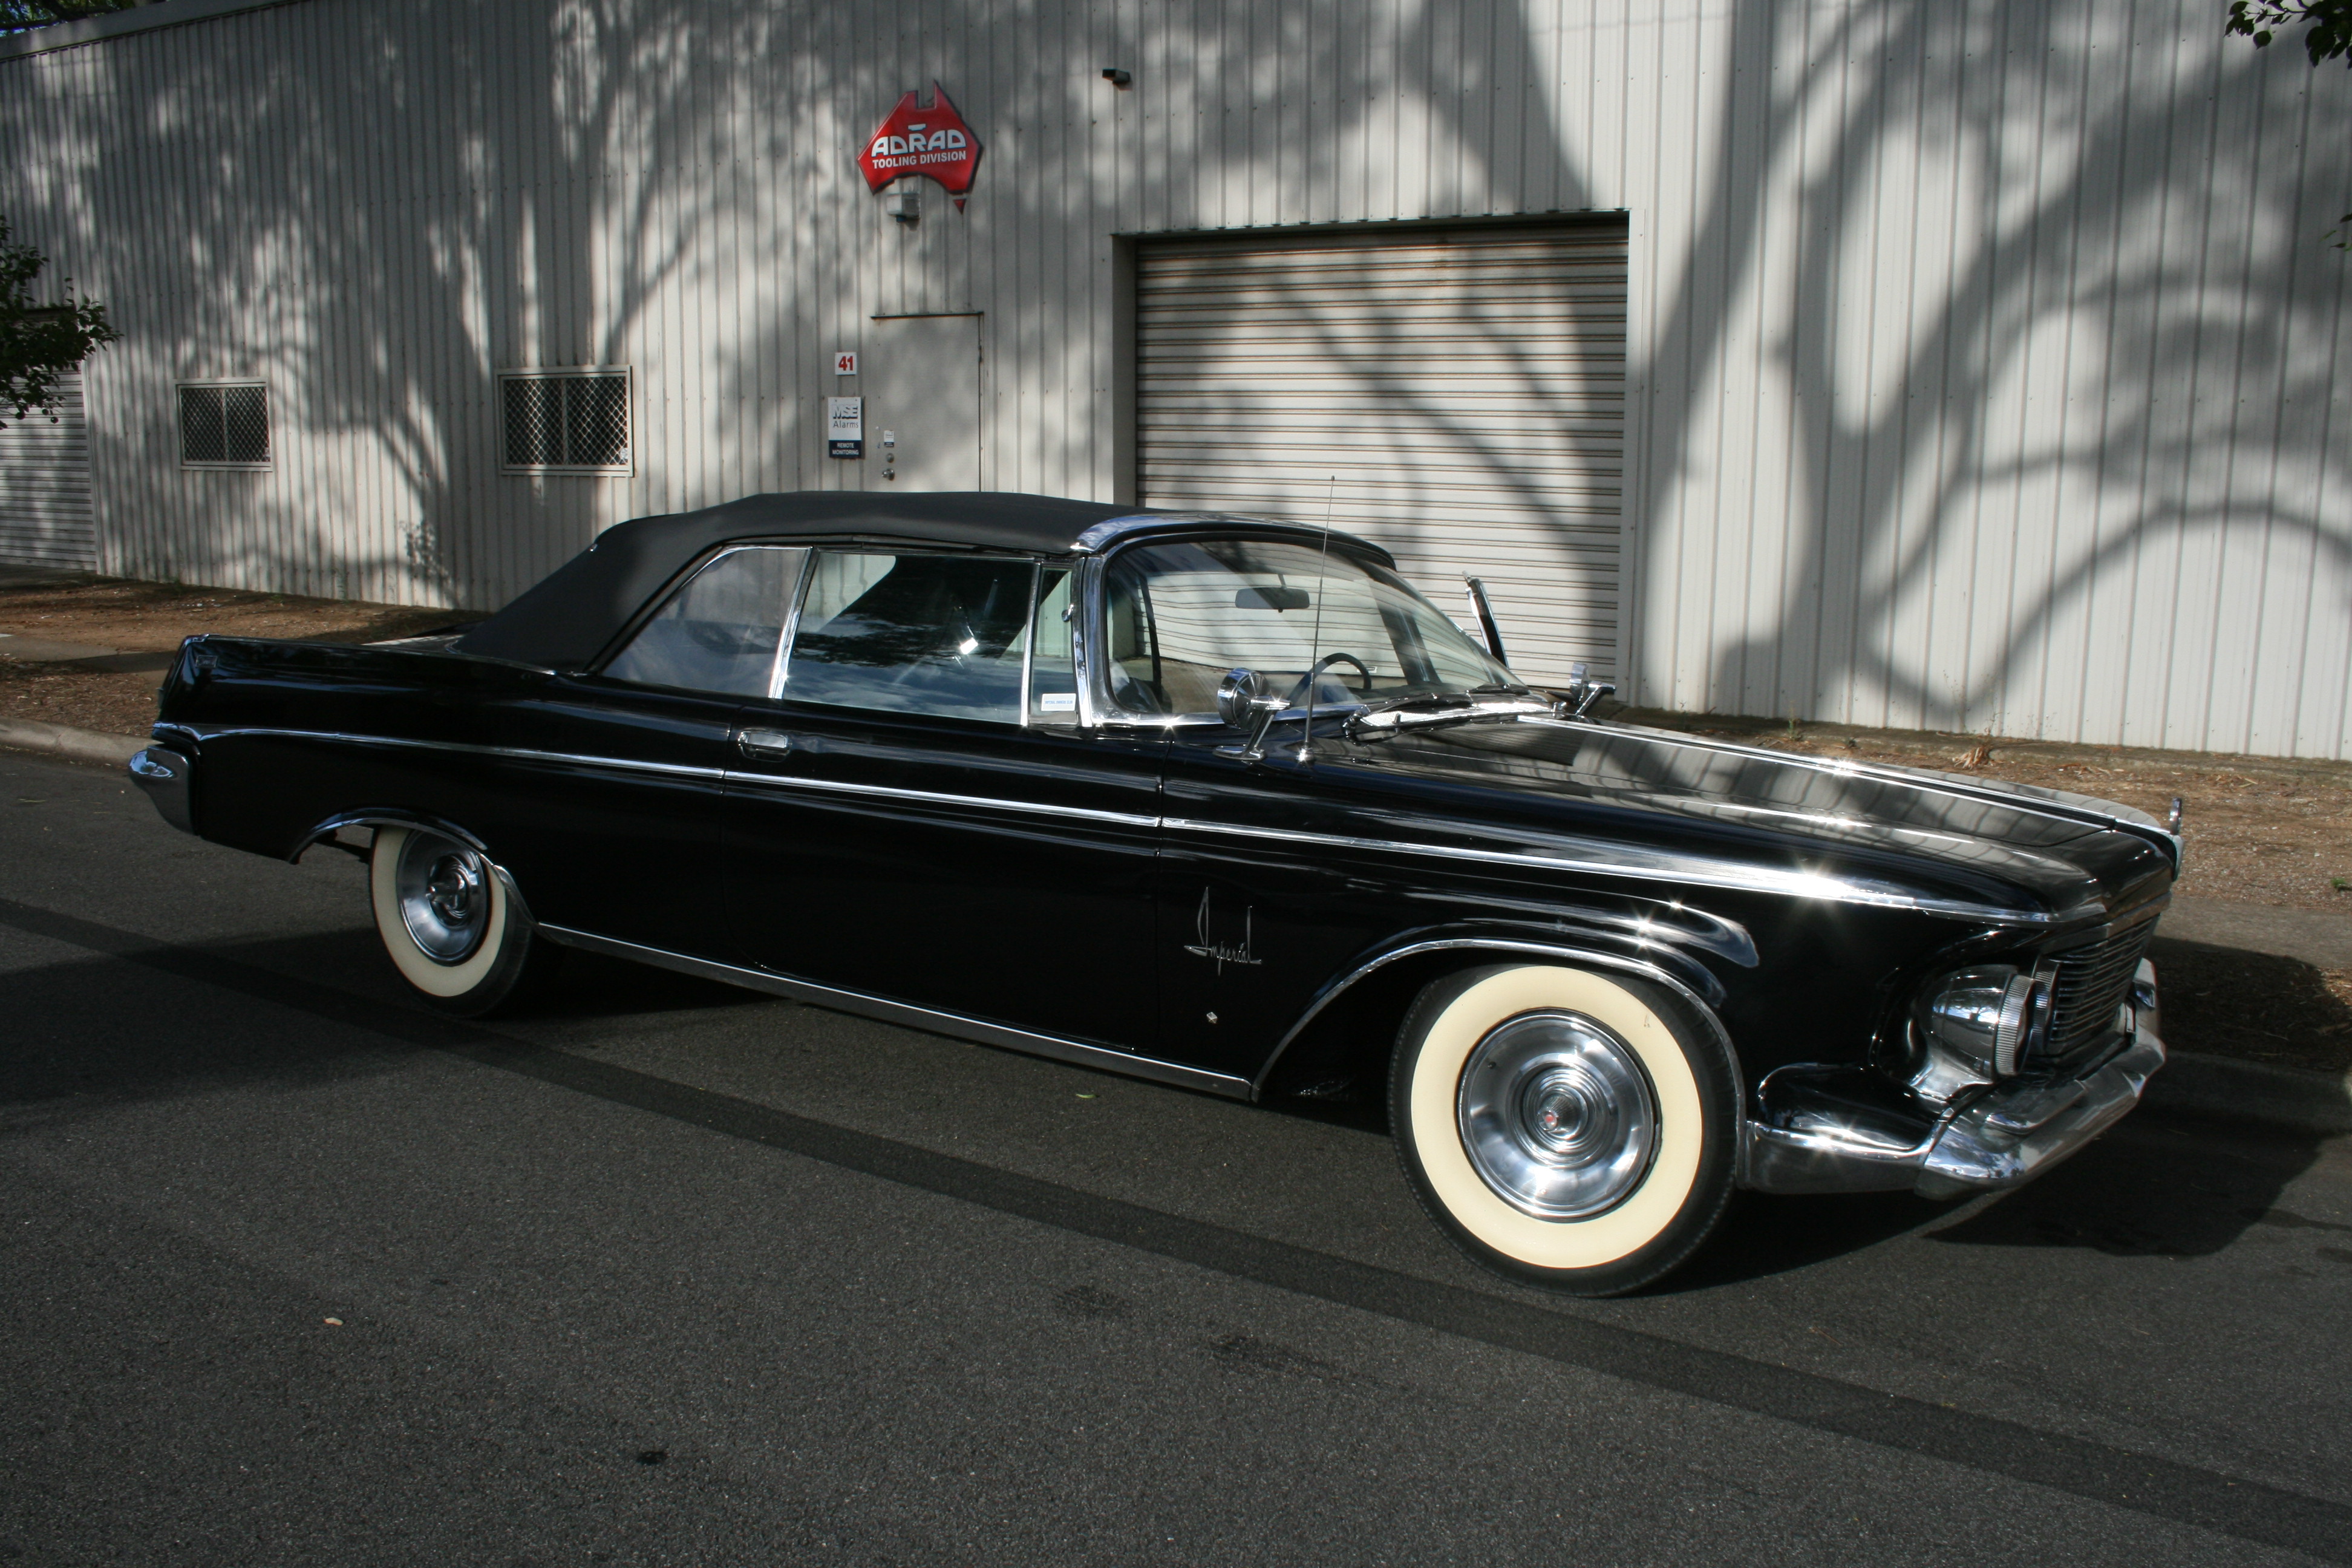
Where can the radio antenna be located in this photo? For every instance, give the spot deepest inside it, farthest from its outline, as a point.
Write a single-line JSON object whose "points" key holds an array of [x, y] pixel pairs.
{"points": [[1315, 639]]}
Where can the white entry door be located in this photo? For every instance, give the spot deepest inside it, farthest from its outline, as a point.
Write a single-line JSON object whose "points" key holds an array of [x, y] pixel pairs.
{"points": [[46, 517], [921, 381]]}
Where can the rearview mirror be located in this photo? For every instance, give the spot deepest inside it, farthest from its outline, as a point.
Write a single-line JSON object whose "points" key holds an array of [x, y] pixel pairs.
{"points": [[1271, 598]]}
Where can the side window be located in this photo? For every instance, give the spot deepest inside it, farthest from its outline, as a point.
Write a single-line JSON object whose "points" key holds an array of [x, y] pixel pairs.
{"points": [[913, 634], [719, 632]]}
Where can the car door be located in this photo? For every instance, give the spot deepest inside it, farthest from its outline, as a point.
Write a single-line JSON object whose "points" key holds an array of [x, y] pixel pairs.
{"points": [[1277, 872], [918, 816], [613, 783]]}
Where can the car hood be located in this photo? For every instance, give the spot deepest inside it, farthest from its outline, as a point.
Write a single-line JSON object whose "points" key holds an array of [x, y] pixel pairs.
{"points": [[2059, 850]]}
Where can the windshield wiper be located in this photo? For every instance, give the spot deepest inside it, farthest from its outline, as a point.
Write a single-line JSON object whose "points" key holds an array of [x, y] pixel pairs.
{"points": [[1431, 708]]}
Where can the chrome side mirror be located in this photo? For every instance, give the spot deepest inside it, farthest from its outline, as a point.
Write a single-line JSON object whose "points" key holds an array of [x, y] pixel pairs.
{"points": [[1242, 703], [1237, 696]]}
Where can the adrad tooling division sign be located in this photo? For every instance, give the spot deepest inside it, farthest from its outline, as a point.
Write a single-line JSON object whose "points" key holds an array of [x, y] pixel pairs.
{"points": [[934, 142]]}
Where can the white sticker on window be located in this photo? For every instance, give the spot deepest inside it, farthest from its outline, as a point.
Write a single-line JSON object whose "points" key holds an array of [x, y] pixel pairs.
{"points": [[1058, 702]]}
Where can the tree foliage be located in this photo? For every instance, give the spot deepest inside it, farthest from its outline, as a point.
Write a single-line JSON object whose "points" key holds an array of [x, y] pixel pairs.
{"points": [[16, 14], [40, 343], [2330, 38]]}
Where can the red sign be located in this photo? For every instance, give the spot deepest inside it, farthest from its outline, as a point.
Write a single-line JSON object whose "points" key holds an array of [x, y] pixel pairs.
{"points": [[934, 142]]}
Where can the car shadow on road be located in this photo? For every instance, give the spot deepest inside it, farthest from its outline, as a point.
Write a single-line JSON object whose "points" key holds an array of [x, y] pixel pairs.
{"points": [[2156, 1186], [100, 1027]]}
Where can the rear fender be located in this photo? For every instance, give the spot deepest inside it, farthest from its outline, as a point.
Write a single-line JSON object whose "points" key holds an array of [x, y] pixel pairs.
{"points": [[375, 817]]}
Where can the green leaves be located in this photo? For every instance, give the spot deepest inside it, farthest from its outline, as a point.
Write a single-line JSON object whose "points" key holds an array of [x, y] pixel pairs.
{"points": [[2331, 25], [40, 343]]}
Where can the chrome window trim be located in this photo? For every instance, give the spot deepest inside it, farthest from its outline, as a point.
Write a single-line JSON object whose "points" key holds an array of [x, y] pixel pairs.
{"points": [[1053, 1046], [1029, 643], [1685, 872], [1112, 532], [792, 623], [1505, 945]]}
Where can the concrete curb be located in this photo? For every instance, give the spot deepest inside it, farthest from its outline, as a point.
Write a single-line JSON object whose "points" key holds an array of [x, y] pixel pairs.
{"points": [[2232, 1090], [65, 740]]}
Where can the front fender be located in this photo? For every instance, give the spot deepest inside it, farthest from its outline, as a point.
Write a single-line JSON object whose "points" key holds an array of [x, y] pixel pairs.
{"points": [[1628, 947]]}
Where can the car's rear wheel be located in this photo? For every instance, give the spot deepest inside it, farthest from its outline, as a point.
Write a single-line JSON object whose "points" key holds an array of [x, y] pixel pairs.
{"points": [[445, 917], [1566, 1128]]}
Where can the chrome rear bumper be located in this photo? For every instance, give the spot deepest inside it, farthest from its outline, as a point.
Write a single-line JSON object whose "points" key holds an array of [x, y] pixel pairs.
{"points": [[1813, 1139], [164, 773]]}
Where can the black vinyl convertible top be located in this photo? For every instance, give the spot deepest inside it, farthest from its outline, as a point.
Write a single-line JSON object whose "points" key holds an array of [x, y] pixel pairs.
{"points": [[570, 617]]}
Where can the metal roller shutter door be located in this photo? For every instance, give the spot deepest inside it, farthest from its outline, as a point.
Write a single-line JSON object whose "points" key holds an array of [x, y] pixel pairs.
{"points": [[45, 516], [1462, 393]]}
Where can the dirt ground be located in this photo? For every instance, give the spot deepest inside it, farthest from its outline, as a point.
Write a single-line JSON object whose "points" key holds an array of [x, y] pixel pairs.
{"points": [[2260, 830], [152, 617]]}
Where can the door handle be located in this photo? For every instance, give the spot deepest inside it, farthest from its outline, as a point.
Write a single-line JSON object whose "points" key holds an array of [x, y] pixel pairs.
{"points": [[764, 743]]}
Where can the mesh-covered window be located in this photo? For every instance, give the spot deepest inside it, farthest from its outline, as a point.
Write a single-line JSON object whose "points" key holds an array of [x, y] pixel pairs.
{"points": [[566, 421], [224, 425]]}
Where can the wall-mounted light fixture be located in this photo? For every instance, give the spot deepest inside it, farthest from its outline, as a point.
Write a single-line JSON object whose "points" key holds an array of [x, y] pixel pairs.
{"points": [[903, 202], [1118, 78]]}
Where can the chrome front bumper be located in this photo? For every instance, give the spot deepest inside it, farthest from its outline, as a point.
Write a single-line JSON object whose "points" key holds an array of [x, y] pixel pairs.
{"points": [[1814, 1139]]}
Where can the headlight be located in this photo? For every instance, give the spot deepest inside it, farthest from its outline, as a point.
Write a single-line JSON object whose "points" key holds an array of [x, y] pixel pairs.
{"points": [[1974, 1027]]}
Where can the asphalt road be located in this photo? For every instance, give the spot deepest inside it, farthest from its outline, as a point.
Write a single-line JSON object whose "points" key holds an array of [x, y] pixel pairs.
{"points": [[293, 1272]]}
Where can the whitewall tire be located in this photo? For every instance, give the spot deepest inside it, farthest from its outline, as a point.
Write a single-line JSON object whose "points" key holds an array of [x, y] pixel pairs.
{"points": [[448, 921], [1566, 1127]]}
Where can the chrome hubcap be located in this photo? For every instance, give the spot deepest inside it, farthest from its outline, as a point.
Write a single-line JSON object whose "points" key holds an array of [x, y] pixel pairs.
{"points": [[1558, 1115], [445, 896]]}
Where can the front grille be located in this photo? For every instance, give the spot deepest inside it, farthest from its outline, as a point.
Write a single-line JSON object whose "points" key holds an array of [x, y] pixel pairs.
{"points": [[2092, 982]]}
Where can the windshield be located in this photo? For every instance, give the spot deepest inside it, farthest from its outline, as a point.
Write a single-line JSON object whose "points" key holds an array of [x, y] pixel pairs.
{"points": [[1180, 616]]}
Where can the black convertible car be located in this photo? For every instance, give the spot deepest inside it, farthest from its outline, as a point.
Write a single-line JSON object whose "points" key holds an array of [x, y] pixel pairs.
{"points": [[1222, 801]]}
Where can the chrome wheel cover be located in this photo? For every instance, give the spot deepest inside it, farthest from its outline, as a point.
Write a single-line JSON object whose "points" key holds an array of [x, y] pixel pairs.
{"points": [[444, 891], [1556, 1115]]}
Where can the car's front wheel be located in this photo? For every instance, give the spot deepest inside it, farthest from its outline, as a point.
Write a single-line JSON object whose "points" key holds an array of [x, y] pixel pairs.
{"points": [[1566, 1128], [447, 919]]}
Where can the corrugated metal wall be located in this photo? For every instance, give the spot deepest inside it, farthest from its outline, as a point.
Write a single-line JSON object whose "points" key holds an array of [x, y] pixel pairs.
{"points": [[1982, 353]]}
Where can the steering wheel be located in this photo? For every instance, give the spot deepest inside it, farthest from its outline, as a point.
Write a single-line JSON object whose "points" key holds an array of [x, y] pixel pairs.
{"points": [[1325, 662]]}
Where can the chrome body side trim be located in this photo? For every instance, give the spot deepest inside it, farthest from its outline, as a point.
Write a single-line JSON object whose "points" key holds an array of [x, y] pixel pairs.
{"points": [[1604, 861], [910, 1016], [936, 797], [2002, 1139], [164, 774], [1650, 972], [1658, 866], [519, 754]]}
